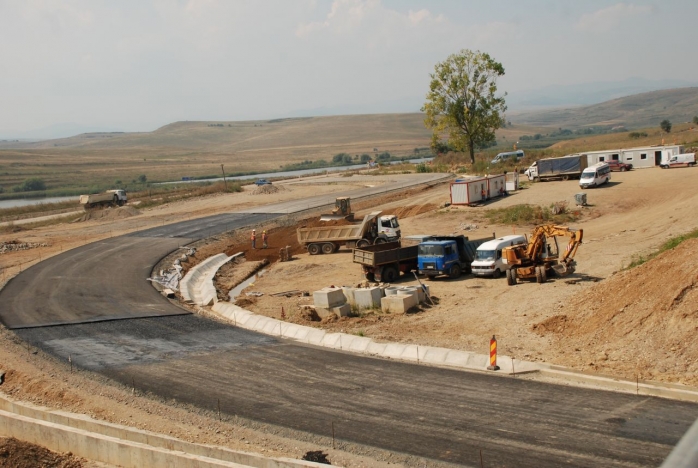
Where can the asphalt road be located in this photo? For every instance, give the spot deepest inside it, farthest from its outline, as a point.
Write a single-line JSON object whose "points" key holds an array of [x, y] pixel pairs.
{"points": [[425, 412]]}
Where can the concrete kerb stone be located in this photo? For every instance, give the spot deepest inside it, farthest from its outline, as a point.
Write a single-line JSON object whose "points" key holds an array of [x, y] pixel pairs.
{"points": [[197, 285], [450, 358], [121, 445]]}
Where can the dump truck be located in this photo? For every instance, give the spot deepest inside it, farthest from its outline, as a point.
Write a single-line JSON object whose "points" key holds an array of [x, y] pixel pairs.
{"points": [[108, 198], [541, 256], [385, 262], [341, 210], [447, 255], [374, 229], [565, 168]]}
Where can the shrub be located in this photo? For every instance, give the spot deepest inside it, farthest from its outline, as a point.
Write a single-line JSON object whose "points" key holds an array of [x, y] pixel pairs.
{"points": [[665, 125], [30, 185], [636, 135]]}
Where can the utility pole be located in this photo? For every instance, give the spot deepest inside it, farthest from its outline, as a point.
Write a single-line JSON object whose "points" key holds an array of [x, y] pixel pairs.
{"points": [[225, 184]]}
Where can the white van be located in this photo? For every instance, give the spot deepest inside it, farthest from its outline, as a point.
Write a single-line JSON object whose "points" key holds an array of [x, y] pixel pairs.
{"points": [[488, 256], [595, 175], [679, 160], [501, 157]]}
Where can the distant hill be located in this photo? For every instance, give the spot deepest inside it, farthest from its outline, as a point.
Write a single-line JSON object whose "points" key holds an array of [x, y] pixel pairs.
{"points": [[636, 111]]}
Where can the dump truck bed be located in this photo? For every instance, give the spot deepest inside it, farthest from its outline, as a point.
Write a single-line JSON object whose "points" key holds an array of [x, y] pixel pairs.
{"points": [[383, 254]]}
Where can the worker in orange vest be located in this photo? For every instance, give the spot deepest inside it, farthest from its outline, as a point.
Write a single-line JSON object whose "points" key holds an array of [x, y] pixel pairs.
{"points": [[253, 237], [264, 239]]}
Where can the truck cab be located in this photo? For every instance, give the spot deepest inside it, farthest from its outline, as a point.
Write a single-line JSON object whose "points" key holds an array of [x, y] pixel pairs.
{"points": [[446, 255], [388, 228]]}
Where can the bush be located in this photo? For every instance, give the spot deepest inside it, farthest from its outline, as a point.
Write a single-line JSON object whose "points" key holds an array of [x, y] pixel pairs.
{"points": [[423, 168], [665, 125], [636, 135], [31, 185]]}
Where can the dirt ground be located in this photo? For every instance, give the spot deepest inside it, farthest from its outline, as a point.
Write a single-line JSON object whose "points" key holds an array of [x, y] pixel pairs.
{"points": [[626, 323]]}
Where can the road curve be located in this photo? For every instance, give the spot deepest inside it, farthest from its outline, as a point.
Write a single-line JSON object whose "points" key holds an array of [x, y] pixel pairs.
{"points": [[424, 412]]}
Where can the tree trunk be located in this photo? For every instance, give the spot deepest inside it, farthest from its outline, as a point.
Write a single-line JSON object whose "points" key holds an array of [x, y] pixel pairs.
{"points": [[471, 148]]}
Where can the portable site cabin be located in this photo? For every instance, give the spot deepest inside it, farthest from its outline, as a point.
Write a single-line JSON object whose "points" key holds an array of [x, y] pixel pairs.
{"points": [[643, 156], [471, 190]]}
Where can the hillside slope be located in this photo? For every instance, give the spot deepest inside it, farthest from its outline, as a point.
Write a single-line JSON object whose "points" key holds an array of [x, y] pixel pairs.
{"points": [[642, 321], [639, 110]]}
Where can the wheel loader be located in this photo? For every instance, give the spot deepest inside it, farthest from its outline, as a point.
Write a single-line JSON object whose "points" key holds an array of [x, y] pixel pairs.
{"points": [[342, 210], [541, 256]]}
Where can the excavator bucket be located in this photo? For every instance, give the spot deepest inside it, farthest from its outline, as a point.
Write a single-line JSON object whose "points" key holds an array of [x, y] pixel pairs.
{"points": [[564, 269]]}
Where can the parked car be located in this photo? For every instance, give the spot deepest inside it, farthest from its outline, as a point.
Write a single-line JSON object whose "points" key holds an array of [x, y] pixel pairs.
{"points": [[262, 182], [619, 166]]}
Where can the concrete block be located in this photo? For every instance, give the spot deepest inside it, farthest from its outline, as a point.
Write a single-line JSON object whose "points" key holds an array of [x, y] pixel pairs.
{"points": [[343, 310], [329, 297], [399, 303], [367, 298], [349, 294]]}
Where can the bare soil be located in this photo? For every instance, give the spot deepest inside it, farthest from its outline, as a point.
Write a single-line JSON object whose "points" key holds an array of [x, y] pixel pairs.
{"points": [[626, 323], [18, 454]]}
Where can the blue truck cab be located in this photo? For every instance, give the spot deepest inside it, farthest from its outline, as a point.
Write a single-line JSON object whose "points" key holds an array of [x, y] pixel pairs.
{"points": [[447, 255]]}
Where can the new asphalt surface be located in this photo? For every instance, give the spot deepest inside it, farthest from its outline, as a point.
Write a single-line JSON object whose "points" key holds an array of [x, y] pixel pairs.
{"points": [[95, 305]]}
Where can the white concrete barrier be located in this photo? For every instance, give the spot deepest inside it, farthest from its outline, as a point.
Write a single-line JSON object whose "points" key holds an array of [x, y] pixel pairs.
{"points": [[121, 445], [197, 285]]}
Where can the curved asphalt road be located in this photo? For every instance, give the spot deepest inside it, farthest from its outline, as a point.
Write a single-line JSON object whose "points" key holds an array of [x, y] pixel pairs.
{"points": [[425, 412]]}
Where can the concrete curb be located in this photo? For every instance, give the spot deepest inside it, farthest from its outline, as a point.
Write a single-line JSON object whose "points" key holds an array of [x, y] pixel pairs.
{"points": [[363, 345], [442, 357], [197, 285], [120, 445]]}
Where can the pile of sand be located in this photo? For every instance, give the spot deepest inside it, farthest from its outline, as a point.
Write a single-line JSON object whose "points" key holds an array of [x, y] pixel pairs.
{"points": [[267, 189], [644, 320], [109, 213]]}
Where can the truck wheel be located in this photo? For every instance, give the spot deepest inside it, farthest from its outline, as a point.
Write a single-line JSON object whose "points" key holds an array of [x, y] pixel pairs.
{"points": [[511, 277], [328, 248], [314, 249], [565, 177], [379, 240], [496, 274], [454, 272], [389, 274], [362, 243]]}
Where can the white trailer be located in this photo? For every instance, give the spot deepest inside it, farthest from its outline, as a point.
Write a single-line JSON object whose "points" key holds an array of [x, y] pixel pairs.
{"points": [[639, 157], [477, 189]]}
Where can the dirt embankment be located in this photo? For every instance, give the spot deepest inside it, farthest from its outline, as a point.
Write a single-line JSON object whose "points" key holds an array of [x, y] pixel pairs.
{"points": [[639, 323]]}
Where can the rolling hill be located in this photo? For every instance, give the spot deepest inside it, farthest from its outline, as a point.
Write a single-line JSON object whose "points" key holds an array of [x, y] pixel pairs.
{"points": [[636, 111]]}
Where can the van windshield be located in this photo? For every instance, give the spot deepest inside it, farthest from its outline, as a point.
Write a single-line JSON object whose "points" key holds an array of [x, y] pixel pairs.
{"points": [[484, 255], [430, 249], [588, 174]]}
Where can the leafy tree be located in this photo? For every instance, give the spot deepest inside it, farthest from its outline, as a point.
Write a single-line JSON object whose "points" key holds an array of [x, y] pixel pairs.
{"points": [[365, 158], [462, 101], [384, 156], [142, 179], [695, 120], [665, 125]]}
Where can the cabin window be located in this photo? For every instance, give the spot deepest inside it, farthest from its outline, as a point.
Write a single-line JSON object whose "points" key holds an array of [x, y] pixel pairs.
{"points": [[614, 157], [643, 156], [629, 158], [602, 158], [448, 250]]}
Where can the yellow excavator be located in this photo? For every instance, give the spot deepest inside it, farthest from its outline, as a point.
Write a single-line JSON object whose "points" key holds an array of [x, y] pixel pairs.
{"points": [[342, 210], [541, 256]]}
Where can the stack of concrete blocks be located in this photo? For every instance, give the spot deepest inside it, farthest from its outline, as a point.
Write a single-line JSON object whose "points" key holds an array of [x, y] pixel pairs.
{"points": [[331, 301], [400, 300]]}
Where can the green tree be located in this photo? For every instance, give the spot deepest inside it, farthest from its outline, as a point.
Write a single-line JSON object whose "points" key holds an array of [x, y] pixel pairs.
{"points": [[365, 158], [665, 125], [33, 185], [462, 101], [695, 120], [142, 179]]}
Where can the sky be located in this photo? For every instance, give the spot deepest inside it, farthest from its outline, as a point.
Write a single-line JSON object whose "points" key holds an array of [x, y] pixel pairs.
{"points": [[135, 65]]}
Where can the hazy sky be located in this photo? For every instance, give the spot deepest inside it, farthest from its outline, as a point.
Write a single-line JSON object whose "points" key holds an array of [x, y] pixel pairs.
{"points": [[137, 65]]}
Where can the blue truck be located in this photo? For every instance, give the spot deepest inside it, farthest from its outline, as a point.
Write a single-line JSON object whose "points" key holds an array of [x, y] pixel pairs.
{"points": [[447, 255]]}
